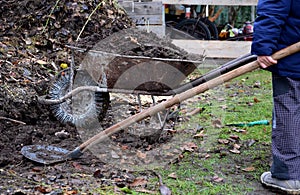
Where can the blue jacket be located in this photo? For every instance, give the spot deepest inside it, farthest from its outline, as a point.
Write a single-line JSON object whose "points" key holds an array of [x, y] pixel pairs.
{"points": [[277, 26]]}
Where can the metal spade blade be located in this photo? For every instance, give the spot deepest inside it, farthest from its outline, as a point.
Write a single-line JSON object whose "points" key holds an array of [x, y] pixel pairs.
{"points": [[45, 154]]}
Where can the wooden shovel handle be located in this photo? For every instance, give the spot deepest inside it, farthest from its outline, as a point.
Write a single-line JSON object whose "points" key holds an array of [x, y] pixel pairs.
{"points": [[183, 96]]}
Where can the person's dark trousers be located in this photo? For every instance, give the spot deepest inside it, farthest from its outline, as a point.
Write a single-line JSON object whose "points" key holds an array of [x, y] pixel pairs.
{"points": [[286, 128]]}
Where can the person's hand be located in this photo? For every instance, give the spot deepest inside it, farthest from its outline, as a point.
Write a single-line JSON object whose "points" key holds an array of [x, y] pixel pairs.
{"points": [[265, 61]]}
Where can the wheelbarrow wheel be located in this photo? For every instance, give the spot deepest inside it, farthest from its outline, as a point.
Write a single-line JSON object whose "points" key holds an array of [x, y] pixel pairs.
{"points": [[82, 110], [195, 28], [211, 27]]}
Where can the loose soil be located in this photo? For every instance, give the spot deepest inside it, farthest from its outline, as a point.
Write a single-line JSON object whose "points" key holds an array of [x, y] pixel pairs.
{"points": [[33, 35]]}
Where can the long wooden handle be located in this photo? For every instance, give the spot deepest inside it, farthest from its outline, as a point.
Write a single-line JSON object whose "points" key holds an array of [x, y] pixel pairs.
{"points": [[183, 96]]}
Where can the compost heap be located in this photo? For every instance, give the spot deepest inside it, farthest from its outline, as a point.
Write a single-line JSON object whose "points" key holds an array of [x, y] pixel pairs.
{"points": [[33, 36]]}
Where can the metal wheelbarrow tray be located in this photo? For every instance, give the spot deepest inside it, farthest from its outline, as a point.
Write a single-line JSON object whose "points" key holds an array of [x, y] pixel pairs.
{"points": [[149, 75]]}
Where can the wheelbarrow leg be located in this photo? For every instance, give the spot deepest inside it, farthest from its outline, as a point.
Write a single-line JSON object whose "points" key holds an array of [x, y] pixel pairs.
{"points": [[162, 119], [162, 123], [140, 105]]}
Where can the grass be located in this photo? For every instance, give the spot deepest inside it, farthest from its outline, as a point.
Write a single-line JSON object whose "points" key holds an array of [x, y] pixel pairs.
{"points": [[212, 168]]}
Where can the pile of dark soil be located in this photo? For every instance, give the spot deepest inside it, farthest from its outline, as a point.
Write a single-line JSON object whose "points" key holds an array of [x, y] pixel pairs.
{"points": [[33, 35]]}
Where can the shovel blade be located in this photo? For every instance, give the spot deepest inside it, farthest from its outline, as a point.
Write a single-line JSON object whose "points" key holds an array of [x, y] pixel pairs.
{"points": [[45, 154]]}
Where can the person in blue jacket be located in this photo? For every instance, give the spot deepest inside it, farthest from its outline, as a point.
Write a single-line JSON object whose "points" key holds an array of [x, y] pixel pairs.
{"points": [[277, 26]]}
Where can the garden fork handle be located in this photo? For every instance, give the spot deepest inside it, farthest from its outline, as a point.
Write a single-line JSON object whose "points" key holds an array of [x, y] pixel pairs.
{"points": [[181, 97]]}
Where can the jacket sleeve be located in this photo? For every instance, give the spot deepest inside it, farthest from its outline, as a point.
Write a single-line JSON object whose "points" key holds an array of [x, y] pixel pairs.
{"points": [[271, 16]]}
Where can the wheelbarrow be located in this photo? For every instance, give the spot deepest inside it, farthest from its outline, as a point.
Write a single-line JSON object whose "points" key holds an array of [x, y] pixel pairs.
{"points": [[183, 92], [118, 74], [122, 74]]}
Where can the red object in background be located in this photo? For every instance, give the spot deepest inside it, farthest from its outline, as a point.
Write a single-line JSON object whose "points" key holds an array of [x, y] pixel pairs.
{"points": [[248, 30], [187, 12]]}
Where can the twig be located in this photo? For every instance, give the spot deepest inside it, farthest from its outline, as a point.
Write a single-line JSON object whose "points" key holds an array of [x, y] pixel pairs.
{"points": [[8, 62], [89, 18], [12, 120], [50, 15]]}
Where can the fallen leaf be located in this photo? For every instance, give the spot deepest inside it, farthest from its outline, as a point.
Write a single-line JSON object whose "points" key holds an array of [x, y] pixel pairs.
{"points": [[118, 180], [256, 100], [239, 130], [173, 175], [134, 40], [43, 189], [249, 169], [41, 62], [235, 137], [124, 147], [70, 192], [190, 147], [110, 11], [199, 182], [77, 165], [223, 141], [149, 147], [139, 181], [235, 151], [236, 146], [141, 154], [217, 179], [172, 131], [199, 135]]}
